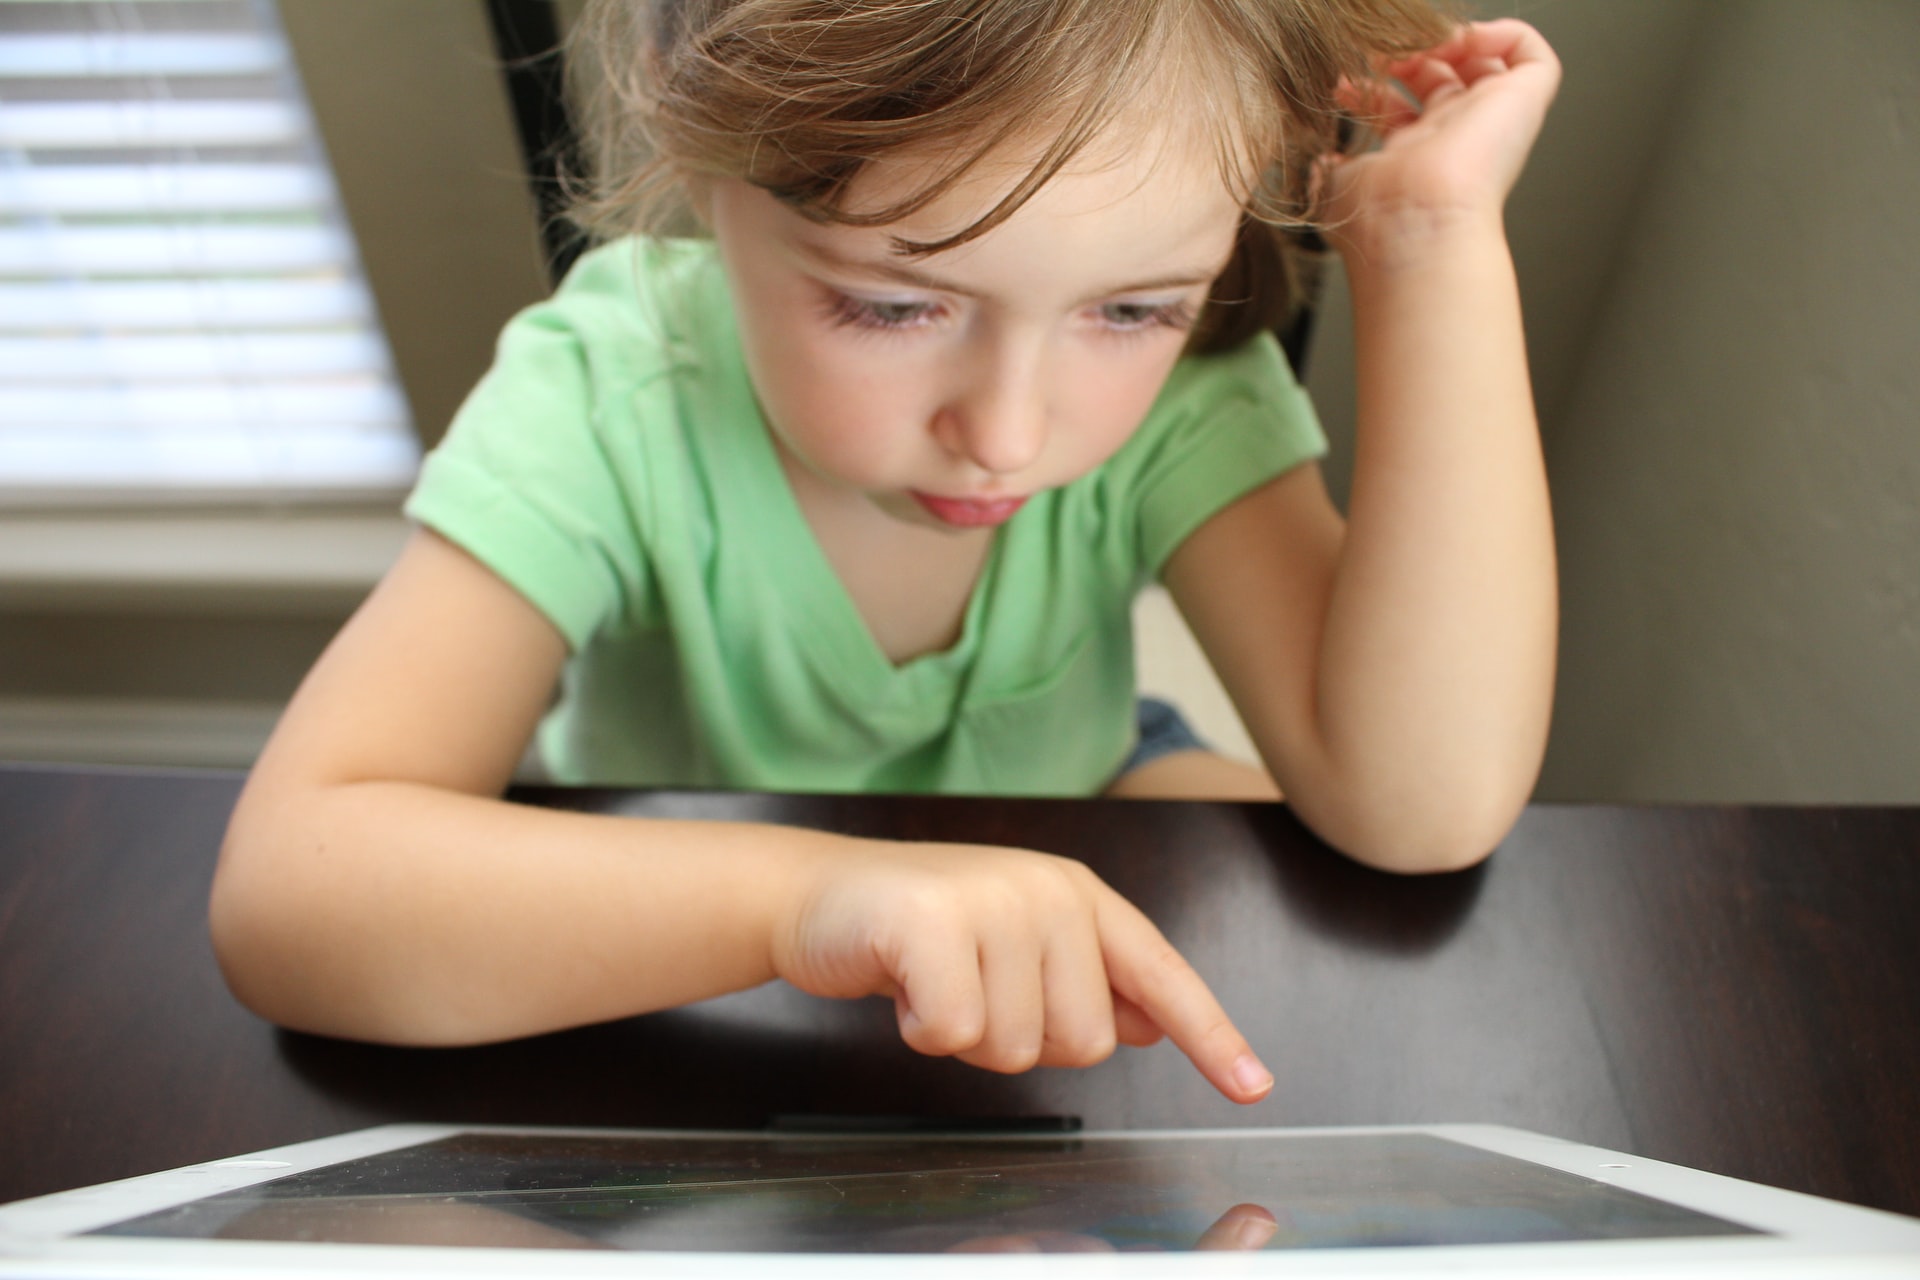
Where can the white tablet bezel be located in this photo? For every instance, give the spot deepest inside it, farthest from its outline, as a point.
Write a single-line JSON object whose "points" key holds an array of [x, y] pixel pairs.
{"points": [[41, 1237]]}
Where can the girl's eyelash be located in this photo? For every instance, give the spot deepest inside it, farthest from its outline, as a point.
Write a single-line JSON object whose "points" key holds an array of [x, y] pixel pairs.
{"points": [[1145, 316], [865, 313], [1120, 318]]}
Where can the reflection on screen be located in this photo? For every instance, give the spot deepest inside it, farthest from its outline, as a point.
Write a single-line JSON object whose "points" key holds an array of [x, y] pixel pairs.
{"points": [[928, 1195]]}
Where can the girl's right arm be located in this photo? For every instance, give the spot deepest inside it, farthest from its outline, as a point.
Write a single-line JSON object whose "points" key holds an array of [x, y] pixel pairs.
{"points": [[373, 885]]}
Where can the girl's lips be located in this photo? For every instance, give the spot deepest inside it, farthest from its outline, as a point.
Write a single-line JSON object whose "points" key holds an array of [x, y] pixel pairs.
{"points": [[969, 513]]}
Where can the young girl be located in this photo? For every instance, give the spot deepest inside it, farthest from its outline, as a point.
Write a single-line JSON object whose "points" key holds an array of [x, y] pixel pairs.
{"points": [[854, 491]]}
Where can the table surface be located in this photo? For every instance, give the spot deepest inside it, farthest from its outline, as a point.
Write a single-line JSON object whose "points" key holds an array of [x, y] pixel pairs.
{"points": [[1736, 989]]}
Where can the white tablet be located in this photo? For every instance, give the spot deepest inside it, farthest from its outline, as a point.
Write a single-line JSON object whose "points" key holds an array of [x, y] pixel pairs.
{"points": [[1442, 1200]]}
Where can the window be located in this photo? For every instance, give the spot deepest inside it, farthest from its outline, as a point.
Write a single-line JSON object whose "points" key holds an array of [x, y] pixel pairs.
{"points": [[182, 310]]}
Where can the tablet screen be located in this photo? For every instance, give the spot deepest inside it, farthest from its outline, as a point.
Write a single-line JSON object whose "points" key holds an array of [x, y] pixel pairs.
{"points": [[929, 1195]]}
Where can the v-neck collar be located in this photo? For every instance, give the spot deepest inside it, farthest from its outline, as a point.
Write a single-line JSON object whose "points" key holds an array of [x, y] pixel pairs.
{"points": [[821, 616]]}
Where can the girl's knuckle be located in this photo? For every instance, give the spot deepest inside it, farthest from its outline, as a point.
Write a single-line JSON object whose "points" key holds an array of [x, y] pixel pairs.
{"points": [[1164, 962], [926, 902], [1006, 898], [1218, 1033], [948, 1036], [1083, 1049], [1012, 1059], [1075, 874]]}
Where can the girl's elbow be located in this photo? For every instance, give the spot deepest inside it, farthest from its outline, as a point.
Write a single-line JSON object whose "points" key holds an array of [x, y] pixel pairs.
{"points": [[1438, 857], [276, 985], [250, 931], [264, 942], [283, 965], [1443, 834], [1422, 856]]}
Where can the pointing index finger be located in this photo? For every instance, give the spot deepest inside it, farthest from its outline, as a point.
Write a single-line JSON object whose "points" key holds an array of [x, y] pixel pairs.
{"points": [[1145, 969]]}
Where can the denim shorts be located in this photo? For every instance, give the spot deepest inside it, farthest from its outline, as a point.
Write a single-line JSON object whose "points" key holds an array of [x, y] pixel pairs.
{"points": [[1162, 731]]}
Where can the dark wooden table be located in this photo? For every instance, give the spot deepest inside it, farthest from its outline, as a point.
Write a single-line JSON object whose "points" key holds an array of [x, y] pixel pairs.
{"points": [[1736, 989]]}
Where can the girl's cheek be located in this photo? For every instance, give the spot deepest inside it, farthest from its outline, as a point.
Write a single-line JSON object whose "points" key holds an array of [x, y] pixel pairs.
{"points": [[849, 408], [1115, 397], [850, 379]]}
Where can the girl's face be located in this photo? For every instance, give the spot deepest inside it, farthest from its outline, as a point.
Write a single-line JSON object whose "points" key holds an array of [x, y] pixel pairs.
{"points": [[947, 390]]}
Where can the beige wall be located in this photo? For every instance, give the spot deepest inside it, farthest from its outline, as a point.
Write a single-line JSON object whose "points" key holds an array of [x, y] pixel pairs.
{"points": [[1624, 63], [408, 97], [1716, 248], [1737, 460]]}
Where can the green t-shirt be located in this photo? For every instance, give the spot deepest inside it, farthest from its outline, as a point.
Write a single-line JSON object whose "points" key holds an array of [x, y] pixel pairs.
{"points": [[614, 468]]}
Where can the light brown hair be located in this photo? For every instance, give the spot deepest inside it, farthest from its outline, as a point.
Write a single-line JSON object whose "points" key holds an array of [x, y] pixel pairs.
{"points": [[795, 96]]}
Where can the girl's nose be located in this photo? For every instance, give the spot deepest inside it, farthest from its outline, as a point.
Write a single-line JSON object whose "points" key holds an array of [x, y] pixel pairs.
{"points": [[999, 426]]}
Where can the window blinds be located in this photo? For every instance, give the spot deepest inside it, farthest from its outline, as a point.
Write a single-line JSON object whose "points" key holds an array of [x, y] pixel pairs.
{"points": [[181, 304]]}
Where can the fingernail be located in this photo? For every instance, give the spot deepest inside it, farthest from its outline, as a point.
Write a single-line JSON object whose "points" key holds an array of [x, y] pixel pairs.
{"points": [[1253, 1233], [1252, 1078]]}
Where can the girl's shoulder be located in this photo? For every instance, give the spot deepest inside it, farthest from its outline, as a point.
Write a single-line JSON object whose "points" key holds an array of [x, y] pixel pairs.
{"points": [[611, 349], [631, 300], [637, 267], [1222, 425], [1256, 370], [1250, 389]]}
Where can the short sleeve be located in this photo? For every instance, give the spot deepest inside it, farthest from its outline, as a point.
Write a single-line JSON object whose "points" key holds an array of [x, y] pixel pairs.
{"points": [[1222, 426], [524, 482]]}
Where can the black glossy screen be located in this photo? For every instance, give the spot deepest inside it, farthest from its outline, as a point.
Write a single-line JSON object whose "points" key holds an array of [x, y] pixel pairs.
{"points": [[930, 1195]]}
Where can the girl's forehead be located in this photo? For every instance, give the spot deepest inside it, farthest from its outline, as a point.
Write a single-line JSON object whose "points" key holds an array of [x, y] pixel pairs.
{"points": [[1105, 224], [1143, 172]]}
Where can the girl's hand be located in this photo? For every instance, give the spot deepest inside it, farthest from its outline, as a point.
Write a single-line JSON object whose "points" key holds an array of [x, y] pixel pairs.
{"points": [[1452, 152], [1007, 960]]}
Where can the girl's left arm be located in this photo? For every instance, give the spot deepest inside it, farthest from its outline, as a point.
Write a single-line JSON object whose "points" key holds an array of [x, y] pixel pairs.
{"points": [[1397, 671]]}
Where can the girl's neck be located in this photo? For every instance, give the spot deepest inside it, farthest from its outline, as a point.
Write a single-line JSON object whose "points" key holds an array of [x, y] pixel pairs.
{"points": [[909, 583]]}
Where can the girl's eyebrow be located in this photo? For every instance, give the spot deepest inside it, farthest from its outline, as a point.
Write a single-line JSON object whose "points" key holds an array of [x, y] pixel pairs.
{"points": [[905, 274]]}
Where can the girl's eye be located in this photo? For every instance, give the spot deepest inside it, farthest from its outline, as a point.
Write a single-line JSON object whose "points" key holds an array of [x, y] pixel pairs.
{"points": [[1136, 317], [877, 313]]}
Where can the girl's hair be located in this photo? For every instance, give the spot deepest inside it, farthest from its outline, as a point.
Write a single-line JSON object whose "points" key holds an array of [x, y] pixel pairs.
{"points": [[795, 96]]}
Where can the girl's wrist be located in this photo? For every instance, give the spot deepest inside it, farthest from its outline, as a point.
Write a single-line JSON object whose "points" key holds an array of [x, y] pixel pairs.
{"points": [[1409, 237], [810, 864]]}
